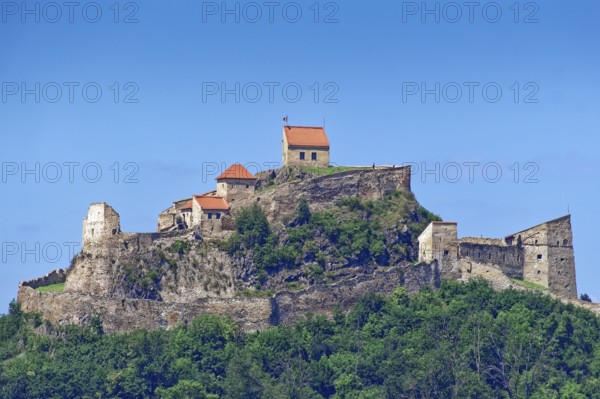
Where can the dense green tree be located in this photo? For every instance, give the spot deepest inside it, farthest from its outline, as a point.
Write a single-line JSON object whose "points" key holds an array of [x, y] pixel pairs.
{"points": [[461, 341]]}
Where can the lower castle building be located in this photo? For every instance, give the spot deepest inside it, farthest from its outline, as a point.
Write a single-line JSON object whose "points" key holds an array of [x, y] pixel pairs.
{"points": [[542, 254], [212, 209]]}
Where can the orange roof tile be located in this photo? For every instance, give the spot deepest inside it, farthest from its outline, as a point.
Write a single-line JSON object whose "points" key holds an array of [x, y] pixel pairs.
{"points": [[209, 202], [306, 136], [236, 171], [186, 205]]}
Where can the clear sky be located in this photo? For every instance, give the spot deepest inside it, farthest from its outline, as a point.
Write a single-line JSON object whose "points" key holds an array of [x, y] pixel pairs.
{"points": [[153, 95]]}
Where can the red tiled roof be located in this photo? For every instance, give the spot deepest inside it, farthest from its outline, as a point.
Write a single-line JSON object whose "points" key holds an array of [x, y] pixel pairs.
{"points": [[186, 205], [306, 136], [209, 202], [236, 171]]}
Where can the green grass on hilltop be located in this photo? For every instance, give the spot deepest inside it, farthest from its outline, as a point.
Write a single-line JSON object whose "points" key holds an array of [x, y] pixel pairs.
{"points": [[529, 284], [330, 170], [60, 287]]}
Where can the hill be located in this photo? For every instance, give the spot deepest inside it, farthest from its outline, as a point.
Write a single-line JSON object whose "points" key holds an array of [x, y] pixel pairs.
{"points": [[464, 340]]}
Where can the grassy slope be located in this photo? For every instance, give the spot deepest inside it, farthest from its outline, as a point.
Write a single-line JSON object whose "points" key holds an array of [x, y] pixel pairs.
{"points": [[52, 288]]}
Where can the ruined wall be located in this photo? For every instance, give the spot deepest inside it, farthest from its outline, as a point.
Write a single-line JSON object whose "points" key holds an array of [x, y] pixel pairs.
{"points": [[126, 314], [166, 219], [54, 277], [426, 250], [549, 258], [101, 222], [561, 258], [439, 242], [542, 254], [535, 266], [211, 227], [506, 258]]}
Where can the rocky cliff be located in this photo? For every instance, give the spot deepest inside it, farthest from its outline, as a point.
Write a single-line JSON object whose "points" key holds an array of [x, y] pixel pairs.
{"points": [[305, 243], [152, 280]]}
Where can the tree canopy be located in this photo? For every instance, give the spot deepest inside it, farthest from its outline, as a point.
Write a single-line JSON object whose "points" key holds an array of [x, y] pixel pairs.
{"points": [[461, 341]]}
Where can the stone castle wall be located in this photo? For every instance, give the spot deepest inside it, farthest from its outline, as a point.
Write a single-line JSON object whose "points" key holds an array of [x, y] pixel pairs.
{"points": [[120, 315], [542, 254], [439, 243], [126, 315], [98, 282], [549, 259], [54, 277], [506, 258], [561, 258]]}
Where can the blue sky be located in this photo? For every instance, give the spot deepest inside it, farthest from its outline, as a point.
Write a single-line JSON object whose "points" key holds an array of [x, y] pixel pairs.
{"points": [[433, 84]]}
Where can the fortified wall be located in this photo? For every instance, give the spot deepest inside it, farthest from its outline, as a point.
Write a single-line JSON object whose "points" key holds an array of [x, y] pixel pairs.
{"points": [[152, 280], [126, 314], [542, 254]]}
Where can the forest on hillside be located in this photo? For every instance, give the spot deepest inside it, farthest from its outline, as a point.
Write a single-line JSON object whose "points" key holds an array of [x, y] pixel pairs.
{"points": [[461, 341]]}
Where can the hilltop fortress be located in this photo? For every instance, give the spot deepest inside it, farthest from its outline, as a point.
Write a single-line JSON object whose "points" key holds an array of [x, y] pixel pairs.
{"points": [[157, 280]]}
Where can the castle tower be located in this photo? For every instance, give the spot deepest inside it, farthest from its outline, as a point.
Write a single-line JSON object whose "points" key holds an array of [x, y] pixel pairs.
{"points": [[101, 222], [236, 183], [549, 256], [439, 241]]}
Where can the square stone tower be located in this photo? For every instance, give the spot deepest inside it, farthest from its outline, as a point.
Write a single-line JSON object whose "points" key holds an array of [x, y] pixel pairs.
{"points": [[549, 256], [439, 242], [236, 183], [101, 222]]}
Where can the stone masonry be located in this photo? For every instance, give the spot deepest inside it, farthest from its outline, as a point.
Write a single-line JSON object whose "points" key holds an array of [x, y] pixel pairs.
{"points": [[542, 254]]}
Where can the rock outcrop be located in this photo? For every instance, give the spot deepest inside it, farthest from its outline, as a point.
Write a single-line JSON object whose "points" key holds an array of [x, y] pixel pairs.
{"points": [[135, 281], [156, 280]]}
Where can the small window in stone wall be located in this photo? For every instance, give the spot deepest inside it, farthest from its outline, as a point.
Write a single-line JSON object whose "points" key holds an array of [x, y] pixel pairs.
{"points": [[302, 155], [313, 156], [539, 257], [218, 215], [114, 231], [445, 252], [565, 242], [92, 231], [210, 215], [247, 186]]}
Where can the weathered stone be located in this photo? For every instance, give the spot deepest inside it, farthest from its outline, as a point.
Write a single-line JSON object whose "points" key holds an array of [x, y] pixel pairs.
{"points": [[542, 254]]}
